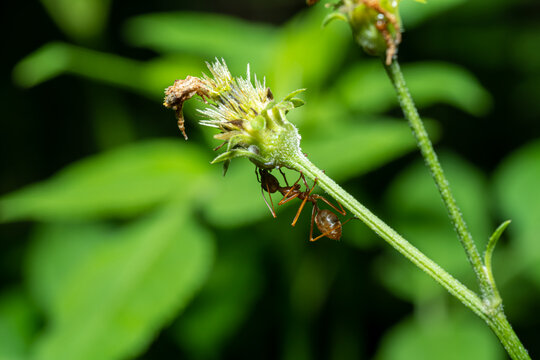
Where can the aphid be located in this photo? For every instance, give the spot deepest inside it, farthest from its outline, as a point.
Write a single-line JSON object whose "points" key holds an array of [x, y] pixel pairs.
{"points": [[179, 92], [326, 221]]}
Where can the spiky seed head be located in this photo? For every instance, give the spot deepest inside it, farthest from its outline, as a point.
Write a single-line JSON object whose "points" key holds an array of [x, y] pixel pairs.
{"points": [[251, 122]]}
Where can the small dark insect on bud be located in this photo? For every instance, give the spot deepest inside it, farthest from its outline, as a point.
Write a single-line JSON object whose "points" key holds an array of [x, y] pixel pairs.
{"points": [[183, 90]]}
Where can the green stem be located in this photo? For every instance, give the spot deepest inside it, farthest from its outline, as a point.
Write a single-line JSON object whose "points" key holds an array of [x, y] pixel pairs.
{"points": [[499, 324], [494, 316], [426, 148], [466, 296], [493, 310]]}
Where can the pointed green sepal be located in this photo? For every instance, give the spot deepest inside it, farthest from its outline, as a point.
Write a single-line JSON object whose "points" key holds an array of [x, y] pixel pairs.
{"points": [[270, 105], [293, 94], [297, 102], [229, 155], [496, 302], [235, 140], [333, 16], [226, 164], [290, 102], [493, 241], [252, 155]]}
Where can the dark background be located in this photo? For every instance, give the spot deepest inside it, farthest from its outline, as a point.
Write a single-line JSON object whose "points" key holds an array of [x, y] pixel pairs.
{"points": [[323, 300]]}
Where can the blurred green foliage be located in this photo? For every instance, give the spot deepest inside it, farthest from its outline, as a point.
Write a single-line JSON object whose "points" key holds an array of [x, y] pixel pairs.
{"points": [[120, 242]]}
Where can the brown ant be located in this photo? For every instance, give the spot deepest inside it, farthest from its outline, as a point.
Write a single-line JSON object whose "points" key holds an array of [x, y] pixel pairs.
{"points": [[327, 222]]}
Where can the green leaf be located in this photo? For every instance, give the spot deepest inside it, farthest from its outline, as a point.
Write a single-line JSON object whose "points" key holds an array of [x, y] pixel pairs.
{"points": [[375, 143], [418, 213], [43, 64], [235, 199], [18, 323], [57, 58], [80, 19], [55, 252], [225, 302], [366, 87], [457, 336], [112, 299], [306, 55], [146, 78], [197, 33], [121, 182], [516, 186]]}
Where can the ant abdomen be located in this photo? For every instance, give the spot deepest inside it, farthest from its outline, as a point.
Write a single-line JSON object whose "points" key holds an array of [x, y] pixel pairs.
{"points": [[328, 223]]}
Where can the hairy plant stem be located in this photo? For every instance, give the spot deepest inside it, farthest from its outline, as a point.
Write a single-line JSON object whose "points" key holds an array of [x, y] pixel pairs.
{"points": [[493, 316], [491, 301], [432, 162], [456, 288]]}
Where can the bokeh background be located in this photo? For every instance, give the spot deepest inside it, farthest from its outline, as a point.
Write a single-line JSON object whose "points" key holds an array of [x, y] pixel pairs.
{"points": [[120, 241]]}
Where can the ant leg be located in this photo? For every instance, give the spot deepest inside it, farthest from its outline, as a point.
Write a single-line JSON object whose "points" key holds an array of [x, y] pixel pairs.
{"points": [[257, 174], [304, 203], [299, 211], [313, 213], [305, 182], [286, 197], [284, 178], [342, 211], [271, 208], [330, 230], [219, 146]]}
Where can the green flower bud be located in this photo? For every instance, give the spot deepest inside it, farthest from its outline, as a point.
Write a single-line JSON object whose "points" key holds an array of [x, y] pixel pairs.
{"points": [[251, 123], [375, 24]]}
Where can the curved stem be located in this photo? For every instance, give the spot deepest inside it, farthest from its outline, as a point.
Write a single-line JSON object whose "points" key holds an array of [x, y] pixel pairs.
{"points": [[493, 316], [432, 162], [492, 304], [466, 296]]}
